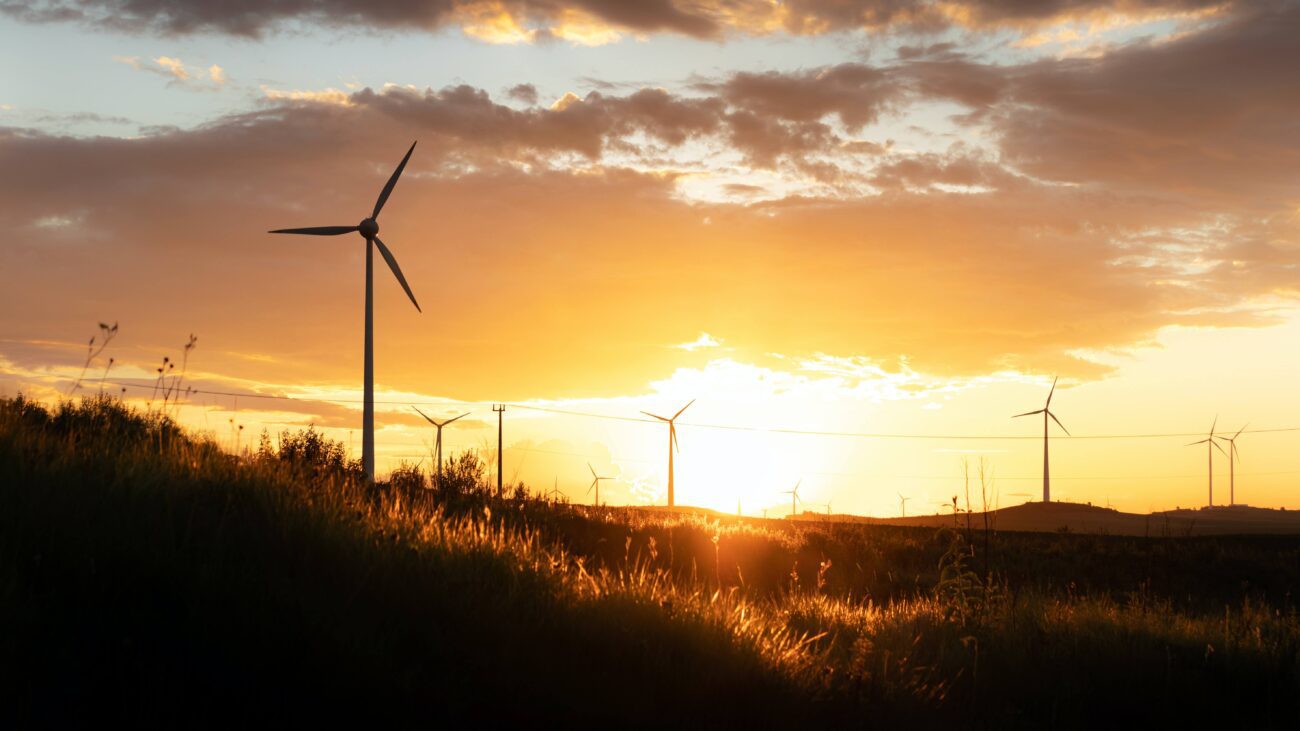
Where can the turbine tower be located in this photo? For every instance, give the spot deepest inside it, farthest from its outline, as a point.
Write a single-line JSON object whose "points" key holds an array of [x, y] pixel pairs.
{"points": [[1210, 446], [1046, 412], [595, 483], [794, 497], [437, 442], [369, 230], [1233, 458], [672, 444]]}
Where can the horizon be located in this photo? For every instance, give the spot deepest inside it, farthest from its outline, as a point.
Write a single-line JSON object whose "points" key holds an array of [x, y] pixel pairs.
{"points": [[862, 242]]}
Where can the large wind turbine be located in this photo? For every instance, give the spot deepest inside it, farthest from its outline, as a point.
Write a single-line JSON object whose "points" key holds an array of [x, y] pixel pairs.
{"points": [[437, 442], [369, 230], [595, 483], [1046, 412], [1210, 446], [902, 505], [794, 497], [1233, 458], [672, 444]]}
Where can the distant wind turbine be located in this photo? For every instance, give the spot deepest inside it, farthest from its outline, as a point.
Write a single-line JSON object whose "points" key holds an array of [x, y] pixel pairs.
{"points": [[794, 497], [595, 483], [1210, 446], [1233, 458], [902, 505], [369, 230], [437, 443], [1046, 412], [672, 444]]}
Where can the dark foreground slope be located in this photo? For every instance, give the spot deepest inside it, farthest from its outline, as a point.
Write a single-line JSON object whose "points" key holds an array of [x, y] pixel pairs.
{"points": [[146, 576]]}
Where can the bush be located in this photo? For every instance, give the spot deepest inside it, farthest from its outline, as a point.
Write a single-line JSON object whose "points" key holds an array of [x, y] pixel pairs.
{"points": [[310, 451]]}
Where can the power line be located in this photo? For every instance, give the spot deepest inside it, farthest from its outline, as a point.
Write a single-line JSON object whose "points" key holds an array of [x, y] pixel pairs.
{"points": [[722, 427]]}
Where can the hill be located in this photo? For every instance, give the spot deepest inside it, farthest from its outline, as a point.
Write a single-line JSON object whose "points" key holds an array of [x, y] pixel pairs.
{"points": [[1084, 518]]}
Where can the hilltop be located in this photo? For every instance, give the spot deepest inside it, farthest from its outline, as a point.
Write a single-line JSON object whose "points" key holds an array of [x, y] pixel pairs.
{"points": [[1086, 518]]}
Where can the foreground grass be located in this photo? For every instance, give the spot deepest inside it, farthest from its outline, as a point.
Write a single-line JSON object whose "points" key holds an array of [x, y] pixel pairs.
{"points": [[147, 576]]}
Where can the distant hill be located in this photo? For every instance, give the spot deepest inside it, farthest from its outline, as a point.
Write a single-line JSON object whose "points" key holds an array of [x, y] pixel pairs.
{"points": [[1055, 517], [1083, 518]]}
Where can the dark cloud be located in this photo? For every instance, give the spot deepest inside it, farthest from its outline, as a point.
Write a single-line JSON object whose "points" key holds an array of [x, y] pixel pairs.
{"points": [[696, 18], [526, 93], [855, 93], [1213, 117]]}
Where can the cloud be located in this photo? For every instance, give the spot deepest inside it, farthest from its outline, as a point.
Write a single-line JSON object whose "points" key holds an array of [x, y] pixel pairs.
{"points": [[177, 72], [705, 340], [1112, 197], [526, 93], [589, 22]]}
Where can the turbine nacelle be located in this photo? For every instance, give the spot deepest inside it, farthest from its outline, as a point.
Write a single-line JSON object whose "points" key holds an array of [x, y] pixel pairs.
{"points": [[368, 228]]}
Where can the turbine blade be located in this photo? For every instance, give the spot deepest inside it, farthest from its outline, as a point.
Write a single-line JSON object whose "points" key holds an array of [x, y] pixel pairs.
{"points": [[1239, 431], [1216, 446], [462, 416], [1216, 423], [593, 485], [426, 416], [796, 486], [392, 183], [1058, 423], [1029, 413], [687, 406], [1193, 444], [317, 230], [672, 434], [660, 418], [593, 470], [1049, 393], [397, 271]]}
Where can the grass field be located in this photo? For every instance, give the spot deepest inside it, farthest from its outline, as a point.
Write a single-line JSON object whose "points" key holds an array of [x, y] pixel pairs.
{"points": [[147, 576]]}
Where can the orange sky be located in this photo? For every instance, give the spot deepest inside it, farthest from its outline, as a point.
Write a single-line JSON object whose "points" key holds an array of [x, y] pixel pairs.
{"points": [[885, 218]]}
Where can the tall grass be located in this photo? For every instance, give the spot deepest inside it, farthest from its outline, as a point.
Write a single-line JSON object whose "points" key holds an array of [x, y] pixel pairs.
{"points": [[145, 573]]}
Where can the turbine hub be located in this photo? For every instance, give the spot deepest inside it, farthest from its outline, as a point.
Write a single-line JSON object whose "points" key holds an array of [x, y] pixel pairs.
{"points": [[368, 228]]}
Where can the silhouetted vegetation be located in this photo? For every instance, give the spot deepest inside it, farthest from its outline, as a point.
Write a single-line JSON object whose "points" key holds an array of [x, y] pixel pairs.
{"points": [[146, 575]]}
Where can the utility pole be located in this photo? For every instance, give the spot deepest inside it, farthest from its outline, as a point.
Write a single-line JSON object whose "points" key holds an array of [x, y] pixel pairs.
{"points": [[499, 409]]}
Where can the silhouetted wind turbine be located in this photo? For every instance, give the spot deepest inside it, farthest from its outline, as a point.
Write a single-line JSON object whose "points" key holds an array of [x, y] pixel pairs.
{"points": [[437, 443], [369, 230], [1046, 412], [902, 505], [672, 444], [595, 483], [1210, 446], [794, 497], [1233, 457]]}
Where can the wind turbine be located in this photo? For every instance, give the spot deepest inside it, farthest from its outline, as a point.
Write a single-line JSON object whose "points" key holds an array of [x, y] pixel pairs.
{"points": [[794, 497], [1046, 412], [902, 505], [1210, 446], [437, 448], [595, 483], [1233, 458], [672, 444], [369, 230]]}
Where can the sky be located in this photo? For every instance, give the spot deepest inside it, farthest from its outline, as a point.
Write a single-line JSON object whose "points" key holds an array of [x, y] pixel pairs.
{"points": [[861, 235]]}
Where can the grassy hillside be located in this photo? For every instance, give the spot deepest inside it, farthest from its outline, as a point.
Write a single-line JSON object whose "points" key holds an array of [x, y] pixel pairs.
{"points": [[145, 575]]}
